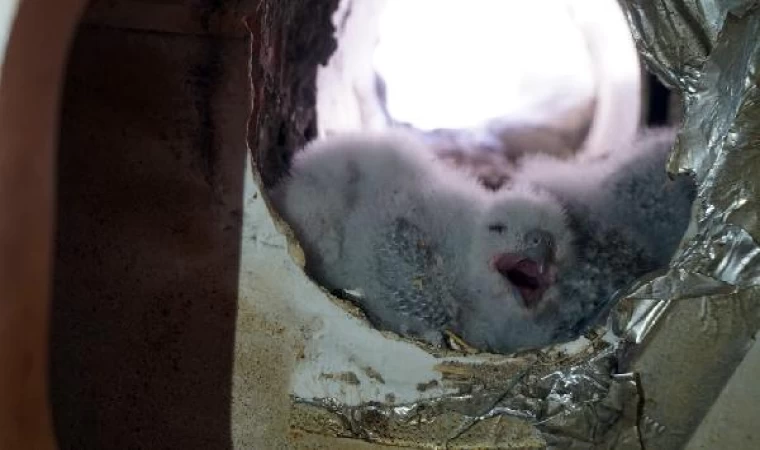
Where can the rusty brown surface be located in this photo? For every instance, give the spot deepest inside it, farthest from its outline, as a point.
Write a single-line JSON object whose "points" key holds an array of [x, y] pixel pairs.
{"points": [[151, 170], [199, 17], [150, 179], [29, 93]]}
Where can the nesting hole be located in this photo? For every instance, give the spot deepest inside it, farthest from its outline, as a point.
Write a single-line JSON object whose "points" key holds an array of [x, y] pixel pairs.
{"points": [[489, 86]]}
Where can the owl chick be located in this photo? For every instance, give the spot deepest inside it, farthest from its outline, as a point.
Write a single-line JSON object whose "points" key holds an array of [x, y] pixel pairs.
{"points": [[428, 248], [520, 246], [626, 215], [630, 189]]}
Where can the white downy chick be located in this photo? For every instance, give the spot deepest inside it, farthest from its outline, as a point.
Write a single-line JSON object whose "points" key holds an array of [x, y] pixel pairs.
{"points": [[629, 189], [427, 247], [520, 243], [330, 177], [627, 216]]}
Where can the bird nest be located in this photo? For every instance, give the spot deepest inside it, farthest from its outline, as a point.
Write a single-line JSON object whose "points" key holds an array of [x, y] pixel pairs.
{"points": [[350, 380]]}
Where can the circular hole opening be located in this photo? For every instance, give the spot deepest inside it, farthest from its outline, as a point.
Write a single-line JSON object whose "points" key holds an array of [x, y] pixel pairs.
{"points": [[486, 178]]}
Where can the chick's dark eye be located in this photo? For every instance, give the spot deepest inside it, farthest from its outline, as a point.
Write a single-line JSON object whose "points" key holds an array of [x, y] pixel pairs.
{"points": [[497, 228]]}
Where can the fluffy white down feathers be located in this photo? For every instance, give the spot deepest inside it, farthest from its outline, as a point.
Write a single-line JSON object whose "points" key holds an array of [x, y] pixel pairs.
{"points": [[428, 248], [431, 250]]}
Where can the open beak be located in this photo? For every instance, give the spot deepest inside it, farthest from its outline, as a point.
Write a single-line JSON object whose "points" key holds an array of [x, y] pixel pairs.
{"points": [[531, 271]]}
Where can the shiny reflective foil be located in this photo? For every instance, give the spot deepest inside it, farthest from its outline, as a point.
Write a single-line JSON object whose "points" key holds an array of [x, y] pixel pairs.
{"points": [[649, 378]]}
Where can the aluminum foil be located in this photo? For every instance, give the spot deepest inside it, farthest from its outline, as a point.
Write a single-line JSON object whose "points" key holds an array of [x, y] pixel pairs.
{"points": [[647, 379], [574, 407]]}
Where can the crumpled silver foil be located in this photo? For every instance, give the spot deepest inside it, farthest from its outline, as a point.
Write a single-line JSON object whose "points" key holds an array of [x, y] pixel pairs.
{"points": [[573, 407], [680, 333]]}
